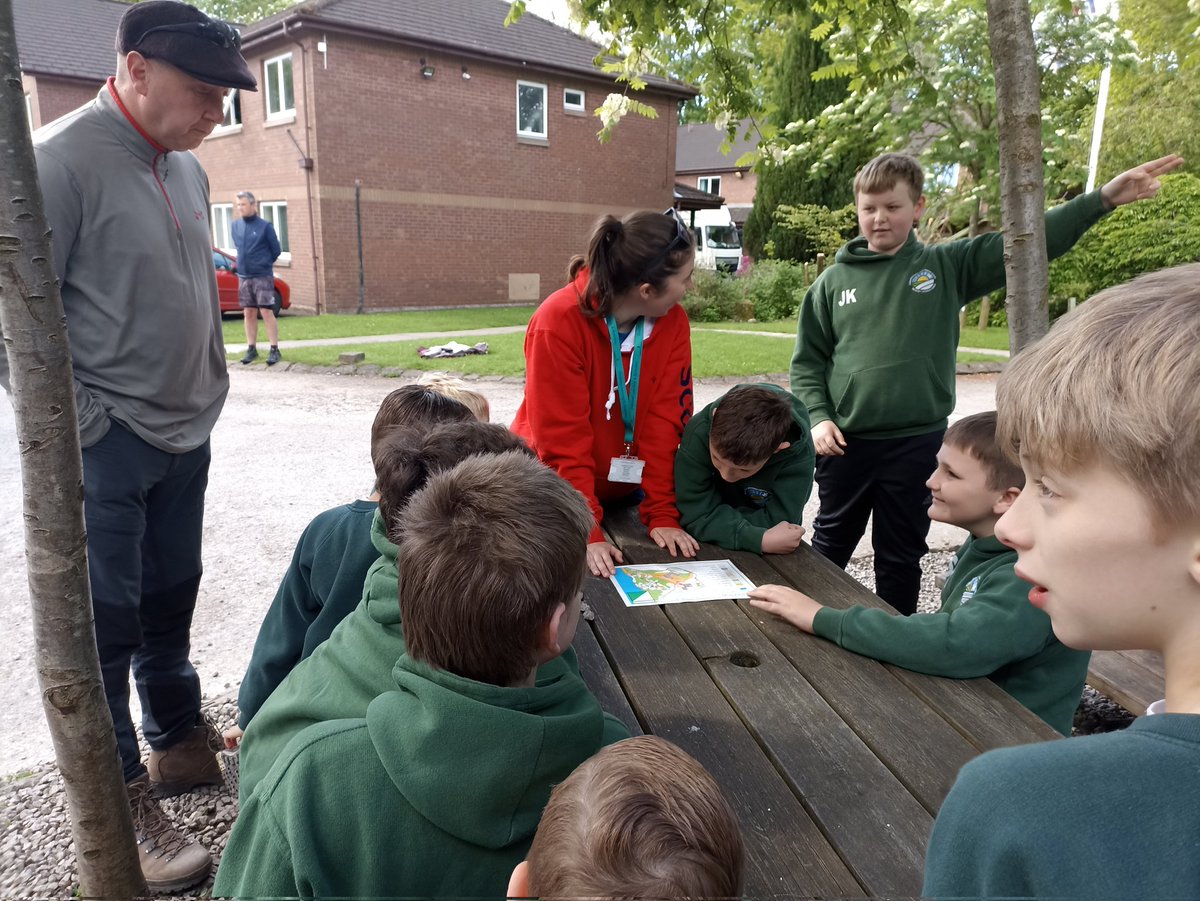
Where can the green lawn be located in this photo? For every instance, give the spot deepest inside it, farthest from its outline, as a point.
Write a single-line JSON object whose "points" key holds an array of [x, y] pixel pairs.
{"points": [[992, 338], [713, 354], [348, 325]]}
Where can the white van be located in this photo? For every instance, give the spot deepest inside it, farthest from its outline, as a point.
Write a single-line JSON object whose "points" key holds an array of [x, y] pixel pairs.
{"points": [[717, 243]]}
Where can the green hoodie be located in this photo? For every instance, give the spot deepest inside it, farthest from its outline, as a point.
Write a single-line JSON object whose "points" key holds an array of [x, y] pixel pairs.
{"points": [[350, 669], [435, 793], [985, 627], [878, 334], [736, 515]]}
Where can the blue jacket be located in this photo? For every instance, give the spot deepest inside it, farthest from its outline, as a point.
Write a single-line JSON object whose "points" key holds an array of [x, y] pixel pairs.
{"points": [[257, 246]]}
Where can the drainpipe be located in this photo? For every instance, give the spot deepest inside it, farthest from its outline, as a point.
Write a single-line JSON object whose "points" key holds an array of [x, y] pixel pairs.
{"points": [[308, 171]]}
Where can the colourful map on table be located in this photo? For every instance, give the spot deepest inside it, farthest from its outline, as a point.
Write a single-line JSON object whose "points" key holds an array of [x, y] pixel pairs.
{"points": [[678, 583]]}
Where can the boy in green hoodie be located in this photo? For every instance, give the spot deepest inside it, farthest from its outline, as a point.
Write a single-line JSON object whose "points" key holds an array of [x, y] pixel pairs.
{"points": [[986, 625], [744, 471], [1105, 415], [875, 355], [354, 666], [436, 792]]}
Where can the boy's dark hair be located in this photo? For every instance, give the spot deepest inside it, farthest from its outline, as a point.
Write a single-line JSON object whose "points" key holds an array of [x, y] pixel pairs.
{"points": [[976, 434], [749, 423], [413, 407], [639, 819], [487, 551], [644, 247], [888, 170], [406, 458]]}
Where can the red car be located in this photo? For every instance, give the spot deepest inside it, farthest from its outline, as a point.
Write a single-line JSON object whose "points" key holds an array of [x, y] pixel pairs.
{"points": [[227, 285]]}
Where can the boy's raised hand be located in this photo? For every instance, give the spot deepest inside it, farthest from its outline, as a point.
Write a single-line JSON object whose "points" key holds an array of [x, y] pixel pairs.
{"points": [[1140, 182], [787, 603], [827, 439], [782, 538]]}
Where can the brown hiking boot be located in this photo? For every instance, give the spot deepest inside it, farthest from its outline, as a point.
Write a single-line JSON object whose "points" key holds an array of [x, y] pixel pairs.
{"points": [[188, 763], [170, 862]]}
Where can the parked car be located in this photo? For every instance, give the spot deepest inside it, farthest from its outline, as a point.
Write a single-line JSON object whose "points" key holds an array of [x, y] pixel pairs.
{"points": [[227, 285]]}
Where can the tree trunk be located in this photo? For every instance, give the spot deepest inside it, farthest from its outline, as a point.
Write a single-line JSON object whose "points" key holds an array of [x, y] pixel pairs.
{"points": [[1022, 189], [42, 390], [985, 302]]}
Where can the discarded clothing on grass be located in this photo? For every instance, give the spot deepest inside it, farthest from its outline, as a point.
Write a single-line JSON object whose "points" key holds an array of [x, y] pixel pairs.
{"points": [[452, 349]]}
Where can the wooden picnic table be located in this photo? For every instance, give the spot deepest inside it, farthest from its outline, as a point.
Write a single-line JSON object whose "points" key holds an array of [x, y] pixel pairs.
{"points": [[836, 764], [1134, 679]]}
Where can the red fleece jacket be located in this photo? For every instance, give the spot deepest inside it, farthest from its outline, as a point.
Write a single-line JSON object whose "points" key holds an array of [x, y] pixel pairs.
{"points": [[568, 369]]}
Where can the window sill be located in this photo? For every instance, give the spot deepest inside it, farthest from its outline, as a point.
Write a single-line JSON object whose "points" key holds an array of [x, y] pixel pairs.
{"points": [[533, 141], [284, 261], [574, 112], [282, 119], [224, 132]]}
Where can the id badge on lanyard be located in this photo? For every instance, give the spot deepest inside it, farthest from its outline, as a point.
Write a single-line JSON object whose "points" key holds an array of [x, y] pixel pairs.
{"points": [[627, 468]]}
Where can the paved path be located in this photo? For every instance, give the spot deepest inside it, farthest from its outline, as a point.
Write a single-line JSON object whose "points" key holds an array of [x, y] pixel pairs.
{"points": [[514, 329]]}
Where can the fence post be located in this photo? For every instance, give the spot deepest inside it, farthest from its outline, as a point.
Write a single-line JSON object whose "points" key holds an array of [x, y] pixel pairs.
{"points": [[820, 263]]}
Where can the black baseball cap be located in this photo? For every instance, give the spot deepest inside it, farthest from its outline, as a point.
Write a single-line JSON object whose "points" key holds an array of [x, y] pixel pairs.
{"points": [[207, 49]]}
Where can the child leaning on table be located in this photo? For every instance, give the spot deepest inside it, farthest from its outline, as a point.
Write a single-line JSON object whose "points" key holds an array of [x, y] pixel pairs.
{"points": [[875, 354], [324, 580], [986, 625], [744, 471], [435, 791], [640, 819], [1105, 414]]}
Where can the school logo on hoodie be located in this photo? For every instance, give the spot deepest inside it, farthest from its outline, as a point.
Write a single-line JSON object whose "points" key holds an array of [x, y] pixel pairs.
{"points": [[923, 282], [972, 587]]}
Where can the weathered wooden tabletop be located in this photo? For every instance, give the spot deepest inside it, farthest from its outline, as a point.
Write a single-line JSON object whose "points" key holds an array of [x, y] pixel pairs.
{"points": [[835, 763]]}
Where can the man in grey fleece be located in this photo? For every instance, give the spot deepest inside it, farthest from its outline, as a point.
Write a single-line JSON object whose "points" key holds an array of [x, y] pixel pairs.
{"points": [[128, 205]]}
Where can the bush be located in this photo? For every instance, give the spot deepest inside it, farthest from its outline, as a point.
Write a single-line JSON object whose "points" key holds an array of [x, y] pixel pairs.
{"points": [[775, 288], [1138, 237], [714, 297]]}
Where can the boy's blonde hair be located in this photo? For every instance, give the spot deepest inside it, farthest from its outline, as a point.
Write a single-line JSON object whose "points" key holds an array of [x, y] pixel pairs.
{"points": [[456, 389], [1117, 384], [888, 170], [640, 819]]}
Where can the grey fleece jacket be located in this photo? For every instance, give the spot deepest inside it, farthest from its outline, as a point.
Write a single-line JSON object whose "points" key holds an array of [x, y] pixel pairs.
{"points": [[133, 256]]}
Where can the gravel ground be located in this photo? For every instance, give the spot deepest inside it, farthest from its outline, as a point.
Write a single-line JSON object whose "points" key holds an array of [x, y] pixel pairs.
{"points": [[35, 847], [288, 445]]}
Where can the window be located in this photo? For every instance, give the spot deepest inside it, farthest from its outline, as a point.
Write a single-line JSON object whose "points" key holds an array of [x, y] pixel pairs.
{"points": [[275, 212], [222, 219], [281, 101], [709, 183], [531, 110], [573, 100], [233, 110]]}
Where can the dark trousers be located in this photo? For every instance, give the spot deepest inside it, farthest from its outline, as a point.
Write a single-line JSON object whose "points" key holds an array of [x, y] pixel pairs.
{"points": [[883, 478], [144, 511]]}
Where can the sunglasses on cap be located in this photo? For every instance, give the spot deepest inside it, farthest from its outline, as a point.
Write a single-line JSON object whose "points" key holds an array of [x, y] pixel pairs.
{"points": [[220, 33]]}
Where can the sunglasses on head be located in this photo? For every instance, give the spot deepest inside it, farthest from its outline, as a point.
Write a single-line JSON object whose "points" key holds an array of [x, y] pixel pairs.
{"points": [[220, 33], [681, 240]]}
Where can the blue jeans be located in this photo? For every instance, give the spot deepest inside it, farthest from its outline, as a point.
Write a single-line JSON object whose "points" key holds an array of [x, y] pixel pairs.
{"points": [[144, 511]]}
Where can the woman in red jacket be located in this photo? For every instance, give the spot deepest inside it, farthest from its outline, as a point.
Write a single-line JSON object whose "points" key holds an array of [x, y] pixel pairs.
{"points": [[608, 376]]}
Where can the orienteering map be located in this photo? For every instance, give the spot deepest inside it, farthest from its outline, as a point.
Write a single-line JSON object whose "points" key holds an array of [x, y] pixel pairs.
{"points": [[679, 583]]}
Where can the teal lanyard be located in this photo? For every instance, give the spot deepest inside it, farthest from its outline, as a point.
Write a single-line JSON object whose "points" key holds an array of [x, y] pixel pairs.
{"points": [[627, 393]]}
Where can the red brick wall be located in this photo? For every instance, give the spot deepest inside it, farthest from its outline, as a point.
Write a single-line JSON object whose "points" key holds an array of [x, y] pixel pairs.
{"points": [[51, 97], [735, 190], [452, 201]]}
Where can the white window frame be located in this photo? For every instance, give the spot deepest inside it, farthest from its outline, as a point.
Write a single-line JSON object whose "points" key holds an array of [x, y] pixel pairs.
{"points": [[537, 135], [285, 254], [221, 216], [29, 110], [579, 107], [275, 64], [710, 184], [232, 107]]}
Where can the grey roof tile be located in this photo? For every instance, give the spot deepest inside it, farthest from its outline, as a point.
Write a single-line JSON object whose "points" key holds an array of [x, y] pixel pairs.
{"points": [[70, 38], [698, 147]]}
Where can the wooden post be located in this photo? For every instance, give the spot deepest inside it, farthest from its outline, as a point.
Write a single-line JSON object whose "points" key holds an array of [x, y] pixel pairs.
{"points": [[820, 263]]}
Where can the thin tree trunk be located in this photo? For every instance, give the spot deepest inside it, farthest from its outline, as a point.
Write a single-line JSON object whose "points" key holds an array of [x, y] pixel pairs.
{"points": [[1023, 194], [42, 390], [985, 302]]}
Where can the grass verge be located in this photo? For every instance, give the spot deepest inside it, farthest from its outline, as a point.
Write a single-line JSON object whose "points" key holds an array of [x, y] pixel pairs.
{"points": [[348, 325]]}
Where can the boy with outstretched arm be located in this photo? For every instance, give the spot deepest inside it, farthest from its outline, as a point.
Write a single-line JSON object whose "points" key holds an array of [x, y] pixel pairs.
{"points": [[437, 790], [1105, 415], [640, 819], [986, 626], [875, 358], [744, 471]]}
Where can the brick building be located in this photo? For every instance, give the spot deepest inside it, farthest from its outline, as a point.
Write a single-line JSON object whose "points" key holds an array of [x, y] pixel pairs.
{"points": [[472, 147], [699, 163]]}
